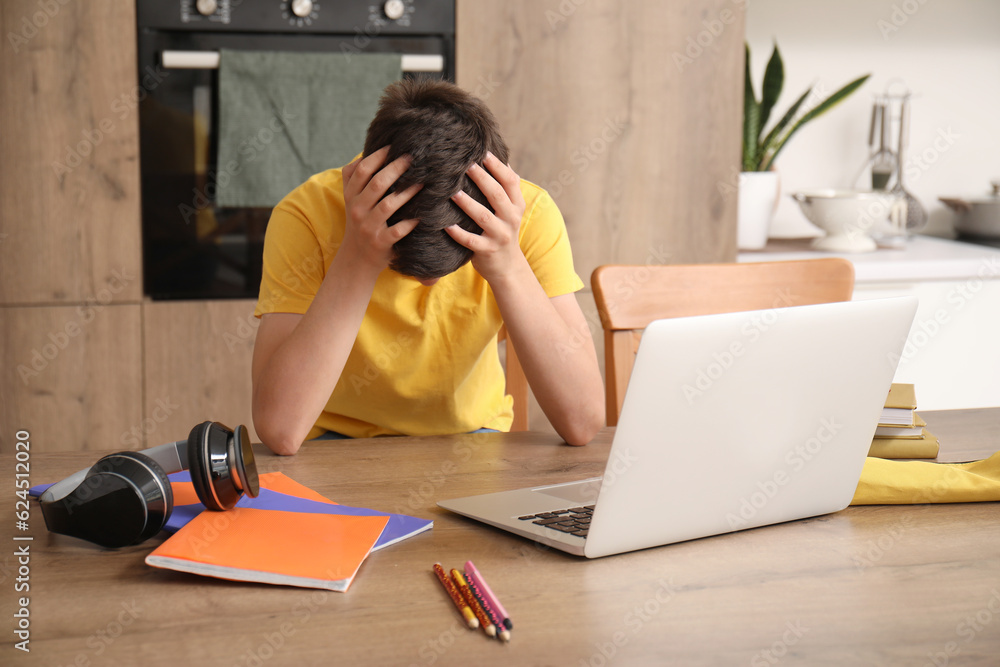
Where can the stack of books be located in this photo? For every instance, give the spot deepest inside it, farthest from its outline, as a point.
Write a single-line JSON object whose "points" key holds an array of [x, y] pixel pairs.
{"points": [[901, 432]]}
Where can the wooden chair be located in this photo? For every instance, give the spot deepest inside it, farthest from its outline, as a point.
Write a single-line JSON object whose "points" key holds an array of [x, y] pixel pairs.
{"points": [[630, 297], [517, 384]]}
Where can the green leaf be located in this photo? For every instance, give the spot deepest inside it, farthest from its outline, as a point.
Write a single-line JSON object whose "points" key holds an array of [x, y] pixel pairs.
{"points": [[834, 99], [768, 144], [751, 119], [816, 111], [774, 79]]}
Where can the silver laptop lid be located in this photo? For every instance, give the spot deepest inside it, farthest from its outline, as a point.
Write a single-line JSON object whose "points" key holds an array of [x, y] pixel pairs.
{"points": [[746, 419]]}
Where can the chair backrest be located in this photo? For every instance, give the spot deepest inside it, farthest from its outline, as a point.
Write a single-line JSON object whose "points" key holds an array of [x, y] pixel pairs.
{"points": [[517, 384], [630, 297]]}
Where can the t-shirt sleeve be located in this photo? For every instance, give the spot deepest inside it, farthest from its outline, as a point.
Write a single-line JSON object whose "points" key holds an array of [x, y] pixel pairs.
{"points": [[294, 265], [545, 244]]}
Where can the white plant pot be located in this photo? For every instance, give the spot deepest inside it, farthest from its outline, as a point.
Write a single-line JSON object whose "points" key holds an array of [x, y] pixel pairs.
{"points": [[758, 195]]}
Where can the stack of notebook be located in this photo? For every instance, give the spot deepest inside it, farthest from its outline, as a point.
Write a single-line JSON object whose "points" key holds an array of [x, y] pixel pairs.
{"points": [[901, 432], [288, 535]]}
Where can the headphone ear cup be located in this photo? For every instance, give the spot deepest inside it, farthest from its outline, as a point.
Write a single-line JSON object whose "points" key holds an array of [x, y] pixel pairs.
{"points": [[124, 499], [198, 465], [246, 465], [211, 464]]}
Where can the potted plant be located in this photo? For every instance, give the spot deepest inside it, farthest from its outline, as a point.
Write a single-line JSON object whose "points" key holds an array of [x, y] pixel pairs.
{"points": [[758, 188]]}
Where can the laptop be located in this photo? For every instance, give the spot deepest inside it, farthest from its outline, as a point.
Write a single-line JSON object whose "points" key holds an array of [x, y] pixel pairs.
{"points": [[729, 422]]}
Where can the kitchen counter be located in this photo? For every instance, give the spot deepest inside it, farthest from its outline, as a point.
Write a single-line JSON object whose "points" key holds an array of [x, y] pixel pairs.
{"points": [[922, 258], [951, 354]]}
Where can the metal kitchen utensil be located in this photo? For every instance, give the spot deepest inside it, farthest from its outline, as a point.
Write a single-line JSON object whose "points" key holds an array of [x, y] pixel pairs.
{"points": [[916, 214], [884, 161], [880, 164], [976, 217]]}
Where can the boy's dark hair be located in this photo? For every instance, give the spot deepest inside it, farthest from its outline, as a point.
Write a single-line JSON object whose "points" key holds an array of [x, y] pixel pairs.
{"points": [[444, 129]]}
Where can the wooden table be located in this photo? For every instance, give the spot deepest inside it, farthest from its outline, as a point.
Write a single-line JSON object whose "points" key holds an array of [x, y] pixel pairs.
{"points": [[892, 585]]}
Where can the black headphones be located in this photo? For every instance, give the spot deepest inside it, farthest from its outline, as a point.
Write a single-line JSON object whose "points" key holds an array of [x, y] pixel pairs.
{"points": [[125, 498]]}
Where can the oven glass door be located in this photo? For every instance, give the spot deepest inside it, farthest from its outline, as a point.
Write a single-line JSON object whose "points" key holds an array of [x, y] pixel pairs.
{"points": [[193, 249]]}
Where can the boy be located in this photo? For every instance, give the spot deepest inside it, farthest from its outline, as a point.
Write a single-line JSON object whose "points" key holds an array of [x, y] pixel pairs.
{"points": [[373, 319]]}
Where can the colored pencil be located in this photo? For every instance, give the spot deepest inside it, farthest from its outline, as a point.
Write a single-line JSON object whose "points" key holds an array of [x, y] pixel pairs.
{"points": [[453, 593], [484, 620], [491, 613], [477, 577]]}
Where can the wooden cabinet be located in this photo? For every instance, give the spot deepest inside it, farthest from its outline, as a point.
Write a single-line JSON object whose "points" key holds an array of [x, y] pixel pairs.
{"points": [[197, 365], [69, 230], [70, 257], [72, 376], [90, 365], [628, 113], [951, 354]]}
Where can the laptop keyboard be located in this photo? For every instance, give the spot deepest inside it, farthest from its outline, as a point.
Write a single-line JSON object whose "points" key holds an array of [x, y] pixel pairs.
{"points": [[575, 520]]}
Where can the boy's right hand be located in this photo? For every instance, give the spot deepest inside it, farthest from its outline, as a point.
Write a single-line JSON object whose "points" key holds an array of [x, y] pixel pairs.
{"points": [[366, 235]]}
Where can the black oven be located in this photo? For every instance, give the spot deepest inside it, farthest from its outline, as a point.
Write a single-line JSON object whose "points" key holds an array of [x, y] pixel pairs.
{"points": [[193, 249]]}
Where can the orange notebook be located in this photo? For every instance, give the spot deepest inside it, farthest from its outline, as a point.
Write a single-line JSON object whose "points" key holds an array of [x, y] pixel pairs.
{"points": [[272, 547], [184, 493]]}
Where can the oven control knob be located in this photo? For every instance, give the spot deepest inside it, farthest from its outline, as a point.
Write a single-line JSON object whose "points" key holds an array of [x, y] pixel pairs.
{"points": [[206, 7], [394, 9], [302, 8]]}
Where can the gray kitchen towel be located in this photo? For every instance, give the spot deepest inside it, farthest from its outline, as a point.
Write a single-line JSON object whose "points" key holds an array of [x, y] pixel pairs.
{"points": [[286, 116]]}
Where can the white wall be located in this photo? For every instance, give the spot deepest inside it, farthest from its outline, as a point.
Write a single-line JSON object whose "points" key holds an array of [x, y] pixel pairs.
{"points": [[946, 51]]}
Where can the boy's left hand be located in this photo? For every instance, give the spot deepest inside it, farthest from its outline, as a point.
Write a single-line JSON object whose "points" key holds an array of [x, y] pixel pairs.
{"points": [[496, 251]]}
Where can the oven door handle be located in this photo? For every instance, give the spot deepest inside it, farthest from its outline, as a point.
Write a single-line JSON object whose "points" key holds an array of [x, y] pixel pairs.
{"points": [[412, 62]]}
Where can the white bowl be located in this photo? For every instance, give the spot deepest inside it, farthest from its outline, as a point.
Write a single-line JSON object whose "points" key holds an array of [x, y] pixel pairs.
{"points": [[847, 217]]}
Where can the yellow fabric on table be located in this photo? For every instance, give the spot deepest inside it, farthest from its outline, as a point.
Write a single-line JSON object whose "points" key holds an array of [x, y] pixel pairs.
{"points": [[888, 482]]}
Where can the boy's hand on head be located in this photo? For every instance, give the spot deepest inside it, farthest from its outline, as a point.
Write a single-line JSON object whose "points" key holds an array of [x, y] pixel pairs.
{"points": [[365, 183], [496, 251]]}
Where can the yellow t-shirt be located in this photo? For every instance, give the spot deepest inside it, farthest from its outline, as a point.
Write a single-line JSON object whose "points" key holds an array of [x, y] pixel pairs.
{"points": [[425, 361]]}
